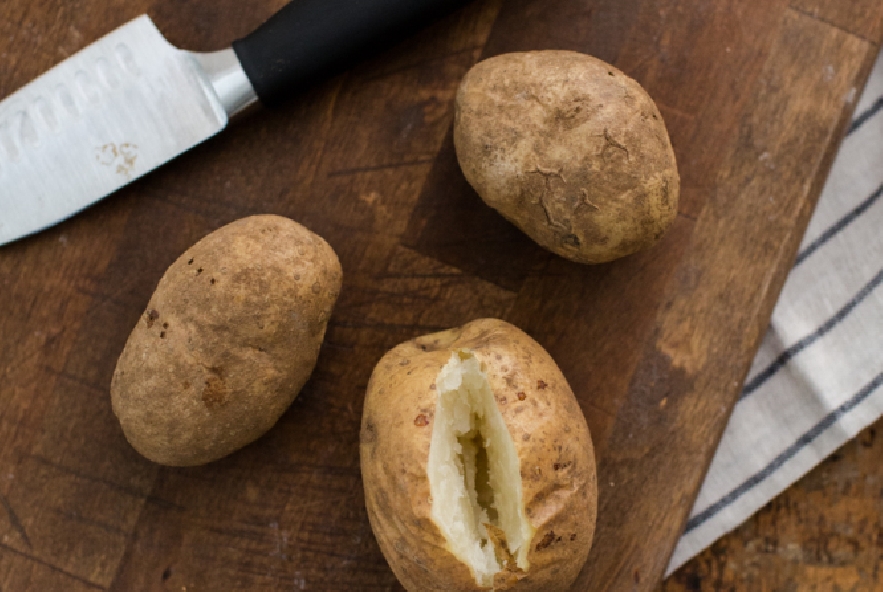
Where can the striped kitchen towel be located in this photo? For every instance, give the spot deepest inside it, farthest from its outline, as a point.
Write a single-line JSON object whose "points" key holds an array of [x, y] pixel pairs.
{"points": [[816, 380]]}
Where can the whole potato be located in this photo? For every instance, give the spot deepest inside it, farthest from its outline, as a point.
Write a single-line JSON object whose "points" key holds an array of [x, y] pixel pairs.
{"points": [[229, 338], [477, 463], [570, 150]]}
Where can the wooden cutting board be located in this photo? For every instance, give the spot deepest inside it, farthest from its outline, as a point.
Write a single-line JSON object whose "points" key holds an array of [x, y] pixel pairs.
{"points": [[755, 96]]}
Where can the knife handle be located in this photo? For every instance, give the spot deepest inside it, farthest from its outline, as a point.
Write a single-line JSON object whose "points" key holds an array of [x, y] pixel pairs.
{"points": [[310, 40]]}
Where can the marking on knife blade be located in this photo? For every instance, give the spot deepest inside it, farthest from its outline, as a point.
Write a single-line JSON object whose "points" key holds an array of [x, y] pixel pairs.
{"points": [[127, 59], [27, 131], [7, 143], [67, 101], [47, 113], [121, 157], [87, 86], [106, 73]]}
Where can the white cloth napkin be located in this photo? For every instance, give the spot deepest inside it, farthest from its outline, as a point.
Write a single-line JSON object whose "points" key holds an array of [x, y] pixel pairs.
{"points": [[816, 380]]}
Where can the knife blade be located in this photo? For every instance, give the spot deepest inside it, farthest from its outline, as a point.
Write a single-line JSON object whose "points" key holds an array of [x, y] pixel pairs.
{"points": [[131, 101]]}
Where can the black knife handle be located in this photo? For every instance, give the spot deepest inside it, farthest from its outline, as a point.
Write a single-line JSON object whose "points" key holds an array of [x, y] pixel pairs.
{"points": [[310, 40]]}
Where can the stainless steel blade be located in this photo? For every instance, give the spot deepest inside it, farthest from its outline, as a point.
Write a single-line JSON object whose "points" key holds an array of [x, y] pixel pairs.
{"points": [[105, 116]]}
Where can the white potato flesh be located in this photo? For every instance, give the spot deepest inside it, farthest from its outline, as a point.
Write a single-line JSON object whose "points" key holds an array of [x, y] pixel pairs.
{"points": [[474, 474]]}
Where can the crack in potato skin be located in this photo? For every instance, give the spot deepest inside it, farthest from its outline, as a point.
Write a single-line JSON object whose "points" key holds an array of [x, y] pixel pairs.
{"points": [[570, 150]]}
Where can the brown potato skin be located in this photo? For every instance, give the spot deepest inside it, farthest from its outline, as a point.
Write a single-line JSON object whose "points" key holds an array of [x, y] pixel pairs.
{"points": [[550, 435], [570, 150], [227, 341]]}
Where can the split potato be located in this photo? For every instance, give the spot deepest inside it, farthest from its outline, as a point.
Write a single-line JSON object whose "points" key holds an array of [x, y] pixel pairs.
{"points": [[229, 338], [570, 150], [477, 463]]}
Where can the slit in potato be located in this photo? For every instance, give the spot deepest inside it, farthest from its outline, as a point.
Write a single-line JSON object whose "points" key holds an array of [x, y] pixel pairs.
{"points": [[475, 475]]}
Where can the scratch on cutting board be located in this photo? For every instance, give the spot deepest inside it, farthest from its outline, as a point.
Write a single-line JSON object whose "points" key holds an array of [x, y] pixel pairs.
{"points": [[13, 519]]}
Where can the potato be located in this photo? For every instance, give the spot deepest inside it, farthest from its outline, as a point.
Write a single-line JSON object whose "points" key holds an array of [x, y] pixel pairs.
{"points": [[570, 150], [477, 463], [228, 340]]}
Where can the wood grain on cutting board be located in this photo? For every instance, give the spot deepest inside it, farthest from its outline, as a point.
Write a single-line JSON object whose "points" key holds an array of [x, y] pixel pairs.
{"points": [[755, 95]]}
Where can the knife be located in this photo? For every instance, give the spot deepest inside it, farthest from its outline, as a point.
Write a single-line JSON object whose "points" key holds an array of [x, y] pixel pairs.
{"points": [[131, 101]]}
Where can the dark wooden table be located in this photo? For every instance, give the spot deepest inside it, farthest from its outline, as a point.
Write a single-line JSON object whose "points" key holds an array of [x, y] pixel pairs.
{"points": [[756, 96], [824, 533]]}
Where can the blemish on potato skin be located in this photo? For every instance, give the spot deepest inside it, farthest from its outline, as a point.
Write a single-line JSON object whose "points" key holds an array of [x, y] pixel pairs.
{"points": [[215, 391], [420, 421], [151, 317], [547, 540], [522, 396], [369, 433], [541, 384]]}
